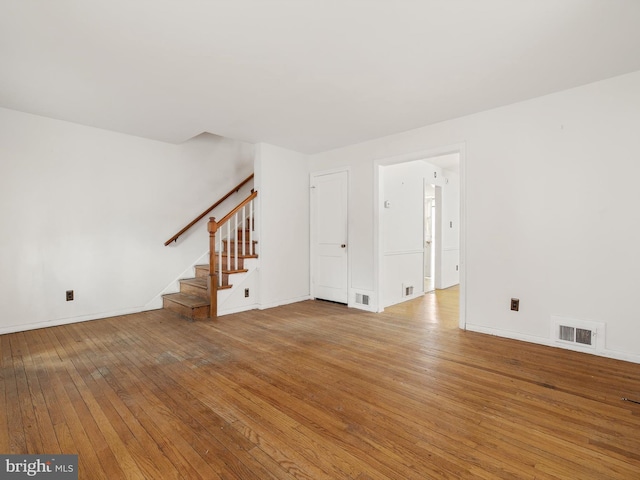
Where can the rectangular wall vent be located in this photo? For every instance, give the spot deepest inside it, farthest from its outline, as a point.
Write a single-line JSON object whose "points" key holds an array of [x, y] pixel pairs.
{"points": [[579, 334], [407, 290], [362, 299], [583, 336], [575, 335]]}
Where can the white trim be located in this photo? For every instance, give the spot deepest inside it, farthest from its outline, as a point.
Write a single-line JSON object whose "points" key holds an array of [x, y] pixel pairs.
{"points": [[362, 291], [509, 334], [377, 235], [420, 155], [462, 276], [627, 357], [71, 320], [240, 309], [289, 301], [421, 293]]}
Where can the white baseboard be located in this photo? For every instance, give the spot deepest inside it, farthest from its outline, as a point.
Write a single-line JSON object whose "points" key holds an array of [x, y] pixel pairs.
{"points": [[616, 355], [69, 320], [242, 308], [401, 300], [288, 301], [366, 308]]}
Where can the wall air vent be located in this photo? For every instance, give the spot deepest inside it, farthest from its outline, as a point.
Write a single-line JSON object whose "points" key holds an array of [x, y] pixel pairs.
{"points": [[362, 299], [407, 290], [577, 334]]}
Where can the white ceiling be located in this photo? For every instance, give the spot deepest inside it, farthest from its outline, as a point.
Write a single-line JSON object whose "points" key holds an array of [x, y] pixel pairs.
{"points": [[309, 75]]}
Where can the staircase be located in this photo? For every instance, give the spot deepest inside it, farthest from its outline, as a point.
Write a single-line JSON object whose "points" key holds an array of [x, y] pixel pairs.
{"points": [[193, 300], [231, 241]]}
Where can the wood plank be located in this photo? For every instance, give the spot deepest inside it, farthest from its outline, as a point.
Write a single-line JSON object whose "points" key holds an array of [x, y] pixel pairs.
{"points": [[138, 395], [5, 365], [70, 432], [316, 390], [43, 423], [18, 440], [132, 458]]}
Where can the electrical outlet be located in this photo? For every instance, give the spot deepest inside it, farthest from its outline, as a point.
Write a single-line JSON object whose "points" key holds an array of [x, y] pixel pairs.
{"points": [[69, 295], [515, 304], [246, 292]]}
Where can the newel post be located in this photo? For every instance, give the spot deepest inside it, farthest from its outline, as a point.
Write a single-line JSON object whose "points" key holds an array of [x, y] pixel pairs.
{"points": [[212, 226]]}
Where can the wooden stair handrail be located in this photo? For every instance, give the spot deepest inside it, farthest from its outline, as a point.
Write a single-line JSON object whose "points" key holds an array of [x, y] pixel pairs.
{"points": [[203, 214], [228, 216]]}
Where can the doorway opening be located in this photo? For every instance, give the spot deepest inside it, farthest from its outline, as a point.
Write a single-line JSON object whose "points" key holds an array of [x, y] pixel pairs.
{"points": [[437, 259], [429, 236]]}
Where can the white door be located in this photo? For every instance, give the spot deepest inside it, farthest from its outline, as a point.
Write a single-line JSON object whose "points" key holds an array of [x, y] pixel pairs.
{"points": [[329, 246]]}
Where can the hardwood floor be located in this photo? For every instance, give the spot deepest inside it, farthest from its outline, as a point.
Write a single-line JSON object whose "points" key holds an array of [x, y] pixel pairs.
{"points": [[314, 390]]}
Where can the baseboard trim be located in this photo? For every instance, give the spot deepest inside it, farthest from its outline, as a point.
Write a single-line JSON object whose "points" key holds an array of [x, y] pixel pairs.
{"points": [[70, 320], [607, 353], [280, 303], [240, 309], [366, 308]]}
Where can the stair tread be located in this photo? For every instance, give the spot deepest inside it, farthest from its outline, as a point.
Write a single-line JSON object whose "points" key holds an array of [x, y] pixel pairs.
{"points": [[200, 282], [187, 300]]}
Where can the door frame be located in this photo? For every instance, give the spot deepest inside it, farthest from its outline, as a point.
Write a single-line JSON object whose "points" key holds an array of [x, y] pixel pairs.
{"points": [[378, 164], [312, 228]]}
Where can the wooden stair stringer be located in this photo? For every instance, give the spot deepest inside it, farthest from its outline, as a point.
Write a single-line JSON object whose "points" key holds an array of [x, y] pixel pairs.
{"points": [[226, 297]]}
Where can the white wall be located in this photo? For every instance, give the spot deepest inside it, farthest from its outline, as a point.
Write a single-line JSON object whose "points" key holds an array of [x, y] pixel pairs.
{"points": [[551, 189], [402, 227], [282, 182], [89, 210]]}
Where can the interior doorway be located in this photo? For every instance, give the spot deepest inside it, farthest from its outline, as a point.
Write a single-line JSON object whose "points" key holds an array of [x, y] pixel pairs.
{"points": [[444, 168], [429, 236]]}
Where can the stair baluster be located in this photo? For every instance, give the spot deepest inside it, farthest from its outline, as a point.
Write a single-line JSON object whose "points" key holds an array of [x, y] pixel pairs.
{"points": [[244, 238], [212, 226], [235, 243], [250, 228]]}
